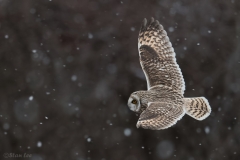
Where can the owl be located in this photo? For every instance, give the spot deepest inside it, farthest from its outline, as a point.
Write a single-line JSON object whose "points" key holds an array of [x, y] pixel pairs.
{"points": [[163, 103]]}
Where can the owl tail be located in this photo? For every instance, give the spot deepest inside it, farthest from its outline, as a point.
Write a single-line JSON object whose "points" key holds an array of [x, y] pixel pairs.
{"points": [[197, 108]]}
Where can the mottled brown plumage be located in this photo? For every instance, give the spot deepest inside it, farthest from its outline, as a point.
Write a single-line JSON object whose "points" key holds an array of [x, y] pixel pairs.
{"points": [[157, 57], [163, 104]]}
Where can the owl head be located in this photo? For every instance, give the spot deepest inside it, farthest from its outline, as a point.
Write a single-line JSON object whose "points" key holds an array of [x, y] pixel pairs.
{"points": [[134, 102]]}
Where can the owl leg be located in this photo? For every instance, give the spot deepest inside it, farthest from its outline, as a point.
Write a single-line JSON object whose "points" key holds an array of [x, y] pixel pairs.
{"points": [[197, 107]]}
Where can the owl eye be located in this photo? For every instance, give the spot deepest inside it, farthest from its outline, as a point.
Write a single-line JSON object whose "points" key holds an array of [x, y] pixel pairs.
{"points": [[134, 101]]}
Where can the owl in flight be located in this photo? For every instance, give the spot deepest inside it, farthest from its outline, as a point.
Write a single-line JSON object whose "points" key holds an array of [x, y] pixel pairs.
{"points": [[163, 104]]}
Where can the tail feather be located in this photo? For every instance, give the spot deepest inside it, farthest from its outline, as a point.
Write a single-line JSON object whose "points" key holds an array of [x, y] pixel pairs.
{"points": [[197, 107]]}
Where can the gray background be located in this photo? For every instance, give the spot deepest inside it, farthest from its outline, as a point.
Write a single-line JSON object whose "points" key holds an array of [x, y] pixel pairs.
{"points": [[67, 68]]}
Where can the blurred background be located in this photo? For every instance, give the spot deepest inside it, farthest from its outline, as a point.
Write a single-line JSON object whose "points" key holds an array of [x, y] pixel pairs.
{"points": [[67, 68]]}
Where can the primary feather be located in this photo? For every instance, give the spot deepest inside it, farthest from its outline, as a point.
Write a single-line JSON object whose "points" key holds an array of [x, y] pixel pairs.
{"points": [[155, 46]]}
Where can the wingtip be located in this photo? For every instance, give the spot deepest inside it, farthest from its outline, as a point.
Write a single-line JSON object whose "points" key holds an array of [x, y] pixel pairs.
{"points": [[152, 23], [152, 20], [144, 22]]}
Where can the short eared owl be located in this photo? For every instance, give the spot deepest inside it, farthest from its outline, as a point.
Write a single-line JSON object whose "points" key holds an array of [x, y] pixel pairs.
{"points": [[163, 104]]}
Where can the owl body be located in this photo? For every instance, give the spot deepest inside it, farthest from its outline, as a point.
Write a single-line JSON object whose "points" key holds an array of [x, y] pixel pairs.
{"points": [[157, 94], [163, 104]]}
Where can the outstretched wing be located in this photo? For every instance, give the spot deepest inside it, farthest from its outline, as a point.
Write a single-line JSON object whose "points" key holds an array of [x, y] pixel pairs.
{"points": [[160, 115], [157, 57]]}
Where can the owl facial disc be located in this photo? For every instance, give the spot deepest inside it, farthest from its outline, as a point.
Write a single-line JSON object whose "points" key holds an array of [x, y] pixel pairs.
{"points": [[134, 103]]}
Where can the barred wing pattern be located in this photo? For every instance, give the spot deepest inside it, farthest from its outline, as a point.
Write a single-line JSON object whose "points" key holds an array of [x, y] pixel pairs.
{"points": [[157, 57], [160, 115]]}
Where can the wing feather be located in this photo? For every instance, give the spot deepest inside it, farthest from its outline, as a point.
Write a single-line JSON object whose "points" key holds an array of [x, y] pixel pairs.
{"points": [[157, 57], [160, 115]]}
